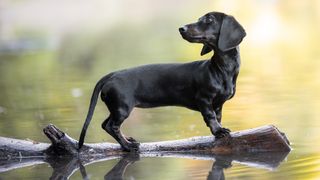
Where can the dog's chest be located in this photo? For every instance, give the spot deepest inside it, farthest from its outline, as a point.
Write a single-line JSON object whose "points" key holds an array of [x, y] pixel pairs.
{"points": [[227, 88], [228, 92], [225, 92]]}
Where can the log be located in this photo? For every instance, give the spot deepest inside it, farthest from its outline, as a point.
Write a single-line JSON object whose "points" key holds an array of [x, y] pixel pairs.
{"points": [[262, 139], [264, 147]]}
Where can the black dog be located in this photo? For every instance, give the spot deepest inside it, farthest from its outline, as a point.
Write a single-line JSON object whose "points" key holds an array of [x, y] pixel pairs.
{"points": [[202, 86]]}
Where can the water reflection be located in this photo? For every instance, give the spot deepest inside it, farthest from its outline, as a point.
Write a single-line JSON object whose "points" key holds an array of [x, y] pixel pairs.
{"points": [[117, 172], [218, 166], [268, 161], [65, 167]]}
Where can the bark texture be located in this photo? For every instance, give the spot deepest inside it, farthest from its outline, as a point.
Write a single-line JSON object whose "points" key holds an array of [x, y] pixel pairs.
{"points": [[262, 139]]}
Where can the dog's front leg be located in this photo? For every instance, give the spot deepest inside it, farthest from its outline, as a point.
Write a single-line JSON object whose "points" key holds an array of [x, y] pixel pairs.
{"points": [[218, 112], [211, 121]]}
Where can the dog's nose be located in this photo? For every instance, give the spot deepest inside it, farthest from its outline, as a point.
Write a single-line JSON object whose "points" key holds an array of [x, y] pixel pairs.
{"points": [[183, 29]]}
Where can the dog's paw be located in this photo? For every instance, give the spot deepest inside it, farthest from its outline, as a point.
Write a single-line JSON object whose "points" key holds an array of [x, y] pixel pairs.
{"points": [[132, 147], [222, 132]]}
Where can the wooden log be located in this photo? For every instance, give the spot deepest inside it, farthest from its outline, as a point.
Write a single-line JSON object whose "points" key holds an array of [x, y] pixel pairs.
{"points": [[262, 139], [264, 147]]}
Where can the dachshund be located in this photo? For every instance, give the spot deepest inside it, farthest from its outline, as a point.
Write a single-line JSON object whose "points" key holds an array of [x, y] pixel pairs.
{"points": [[202, 86]]}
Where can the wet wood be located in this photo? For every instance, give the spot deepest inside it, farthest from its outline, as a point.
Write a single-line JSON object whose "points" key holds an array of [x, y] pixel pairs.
{"points": [[262, 139]]}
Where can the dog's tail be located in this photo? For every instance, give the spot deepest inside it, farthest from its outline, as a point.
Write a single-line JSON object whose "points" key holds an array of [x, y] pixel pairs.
{"points": [[93, 103]]}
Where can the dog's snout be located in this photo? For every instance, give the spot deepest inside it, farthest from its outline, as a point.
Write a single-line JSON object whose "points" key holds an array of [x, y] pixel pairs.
{"points": [[183, 29]]}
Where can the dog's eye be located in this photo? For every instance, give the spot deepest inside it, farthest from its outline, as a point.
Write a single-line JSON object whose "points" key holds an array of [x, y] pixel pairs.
{"points": [[208, 20]]}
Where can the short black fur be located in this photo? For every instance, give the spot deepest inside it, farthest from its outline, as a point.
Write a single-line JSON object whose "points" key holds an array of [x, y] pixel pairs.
{"points": [[202, 86]]}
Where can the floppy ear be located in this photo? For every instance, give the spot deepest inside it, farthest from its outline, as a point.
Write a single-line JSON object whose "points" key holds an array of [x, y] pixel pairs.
{"points": [[231, 34], [205, 50]]}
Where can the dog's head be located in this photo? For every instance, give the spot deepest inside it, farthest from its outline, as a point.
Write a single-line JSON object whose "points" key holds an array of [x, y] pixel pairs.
{"points": [[214, 30]]}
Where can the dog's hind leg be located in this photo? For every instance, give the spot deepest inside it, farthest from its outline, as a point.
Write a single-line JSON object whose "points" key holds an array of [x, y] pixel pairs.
{"points": [[112, 126], [104, 124]]}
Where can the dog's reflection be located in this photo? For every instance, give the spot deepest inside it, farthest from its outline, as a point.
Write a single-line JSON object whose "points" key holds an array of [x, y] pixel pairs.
{"points": [[63, 168], [218, 166], [262, 160], [117, 172]]}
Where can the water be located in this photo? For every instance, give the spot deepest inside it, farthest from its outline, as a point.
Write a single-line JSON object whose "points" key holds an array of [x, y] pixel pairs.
{"points": [[48, 71]]}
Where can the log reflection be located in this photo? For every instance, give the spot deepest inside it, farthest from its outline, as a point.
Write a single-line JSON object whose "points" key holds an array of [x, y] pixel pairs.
{"points": [[64, 167]]}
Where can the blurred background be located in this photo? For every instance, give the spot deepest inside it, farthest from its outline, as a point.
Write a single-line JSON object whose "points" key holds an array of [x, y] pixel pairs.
{"points": [[53, 52]]}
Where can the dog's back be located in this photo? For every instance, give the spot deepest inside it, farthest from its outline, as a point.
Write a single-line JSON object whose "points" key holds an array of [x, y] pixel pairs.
{"points": [[158, 84]]}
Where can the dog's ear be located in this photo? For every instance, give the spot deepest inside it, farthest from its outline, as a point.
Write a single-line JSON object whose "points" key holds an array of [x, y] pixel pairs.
{"points": [[231, 34], [205, 49]]}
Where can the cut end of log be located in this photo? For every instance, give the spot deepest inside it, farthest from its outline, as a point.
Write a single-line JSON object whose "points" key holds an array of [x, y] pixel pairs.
{"points": [[62, 144], [261, 139], [53, 133]]}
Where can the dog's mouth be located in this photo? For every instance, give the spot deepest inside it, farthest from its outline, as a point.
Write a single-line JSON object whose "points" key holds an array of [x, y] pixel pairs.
{"points": [[191, 38]]}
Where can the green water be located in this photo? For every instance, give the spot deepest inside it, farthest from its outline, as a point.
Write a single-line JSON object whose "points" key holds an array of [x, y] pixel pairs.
{"points": [[278, 84]]}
